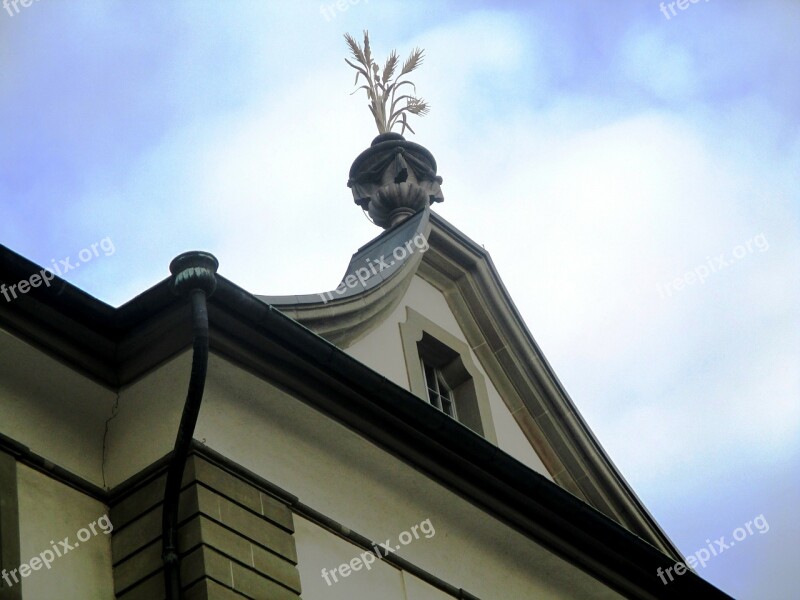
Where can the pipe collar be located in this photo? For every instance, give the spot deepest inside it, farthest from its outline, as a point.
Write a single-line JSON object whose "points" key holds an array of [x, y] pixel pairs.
{"points": [[192, 271]]}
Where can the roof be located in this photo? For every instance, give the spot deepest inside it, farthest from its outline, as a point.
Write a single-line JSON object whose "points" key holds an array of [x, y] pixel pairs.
{"points": [[465, 274], [114, 346]]}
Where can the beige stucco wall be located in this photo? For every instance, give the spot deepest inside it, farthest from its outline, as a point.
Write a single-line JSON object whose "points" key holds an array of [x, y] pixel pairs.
{"points": [[317, 549], [382, 350], [329, 467], [343, 476], [349, 479], [63, 417], [53, 410], [146, 420], [49, 512]]}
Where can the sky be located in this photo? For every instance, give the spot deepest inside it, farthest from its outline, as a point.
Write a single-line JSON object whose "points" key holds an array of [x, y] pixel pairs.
{"points": [[634, 174]]}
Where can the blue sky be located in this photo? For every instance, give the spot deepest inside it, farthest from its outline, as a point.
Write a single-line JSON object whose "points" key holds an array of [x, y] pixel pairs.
{"points": [[599, 150]]}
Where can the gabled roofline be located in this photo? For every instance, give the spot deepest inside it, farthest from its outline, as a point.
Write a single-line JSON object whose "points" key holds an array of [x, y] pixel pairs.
{"points": [[350, 315], [146, 331], [465, 274]]}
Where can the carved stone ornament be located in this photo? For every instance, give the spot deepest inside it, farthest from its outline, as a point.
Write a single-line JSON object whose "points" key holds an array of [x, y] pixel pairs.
{"points": [[394, 179]]}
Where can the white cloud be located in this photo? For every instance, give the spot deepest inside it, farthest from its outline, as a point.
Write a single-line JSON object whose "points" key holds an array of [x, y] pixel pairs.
{"points": [[660, 147]]}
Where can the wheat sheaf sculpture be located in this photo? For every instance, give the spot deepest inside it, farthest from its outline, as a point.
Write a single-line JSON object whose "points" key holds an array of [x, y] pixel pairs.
{"points": [[382, 90]]}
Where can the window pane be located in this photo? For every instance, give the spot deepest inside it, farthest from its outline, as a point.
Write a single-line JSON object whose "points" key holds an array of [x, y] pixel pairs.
{"points": [[443, 387], [439, 393], [430, 376]]}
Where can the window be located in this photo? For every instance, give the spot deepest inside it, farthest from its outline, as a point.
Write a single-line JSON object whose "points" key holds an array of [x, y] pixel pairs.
{"points": [[441, 371], [439, 393]]}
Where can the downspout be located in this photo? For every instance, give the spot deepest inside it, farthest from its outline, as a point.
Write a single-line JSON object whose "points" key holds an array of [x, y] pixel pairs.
{"points": [[194, 277]]}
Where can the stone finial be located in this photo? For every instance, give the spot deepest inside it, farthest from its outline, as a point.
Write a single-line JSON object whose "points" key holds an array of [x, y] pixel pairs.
{"points": [[394, 179]]}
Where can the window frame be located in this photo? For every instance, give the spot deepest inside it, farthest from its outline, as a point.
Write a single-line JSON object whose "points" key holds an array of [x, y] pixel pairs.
{"points": [[435, 395], [423, 339]]}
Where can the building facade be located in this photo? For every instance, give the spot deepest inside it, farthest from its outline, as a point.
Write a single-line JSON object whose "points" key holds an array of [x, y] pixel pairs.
{"points": [[401, 437]]}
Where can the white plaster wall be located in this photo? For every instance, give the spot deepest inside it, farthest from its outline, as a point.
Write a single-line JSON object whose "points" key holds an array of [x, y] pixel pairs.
{"points": [[382, 350], [317, 549], [326, 465], [146, 419], [510, 438], [53, 410], [416, 589], [429, 302], [50, 512], [349, 479]]}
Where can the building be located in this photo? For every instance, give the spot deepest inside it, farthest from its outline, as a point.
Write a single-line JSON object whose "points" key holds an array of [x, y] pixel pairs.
{"points": [[400, 438]]}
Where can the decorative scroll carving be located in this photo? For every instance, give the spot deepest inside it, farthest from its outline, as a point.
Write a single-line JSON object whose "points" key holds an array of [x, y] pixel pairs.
{"points": [[394, 179]]}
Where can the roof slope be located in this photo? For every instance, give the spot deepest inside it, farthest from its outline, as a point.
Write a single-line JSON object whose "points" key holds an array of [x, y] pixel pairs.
{"points": [[115, 346], [464, 273]]}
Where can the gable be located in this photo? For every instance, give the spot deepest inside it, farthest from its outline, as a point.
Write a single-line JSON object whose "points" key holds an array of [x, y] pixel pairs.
{"points": [[383, 350], [455, 286]]}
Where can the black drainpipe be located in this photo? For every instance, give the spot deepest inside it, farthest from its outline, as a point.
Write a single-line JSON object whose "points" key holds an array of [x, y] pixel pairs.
{"points": [[194, 277]]}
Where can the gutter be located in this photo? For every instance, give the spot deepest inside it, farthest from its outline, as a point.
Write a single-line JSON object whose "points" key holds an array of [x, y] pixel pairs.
{"points": [[194, 278], [333, 382]]}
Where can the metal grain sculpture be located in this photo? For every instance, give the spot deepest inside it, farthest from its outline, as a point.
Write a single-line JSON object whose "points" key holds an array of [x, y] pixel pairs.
{"points": [[384, 89]]}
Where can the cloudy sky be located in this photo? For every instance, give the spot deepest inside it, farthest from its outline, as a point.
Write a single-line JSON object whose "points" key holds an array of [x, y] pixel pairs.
{"points": [[634, 174]]}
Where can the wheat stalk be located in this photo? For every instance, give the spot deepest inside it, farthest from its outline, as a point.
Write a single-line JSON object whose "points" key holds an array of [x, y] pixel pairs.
{"points": [[382, 90]]}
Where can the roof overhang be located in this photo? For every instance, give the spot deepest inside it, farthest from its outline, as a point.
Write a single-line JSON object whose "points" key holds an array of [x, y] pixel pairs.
{"points": [[116, 346]]}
